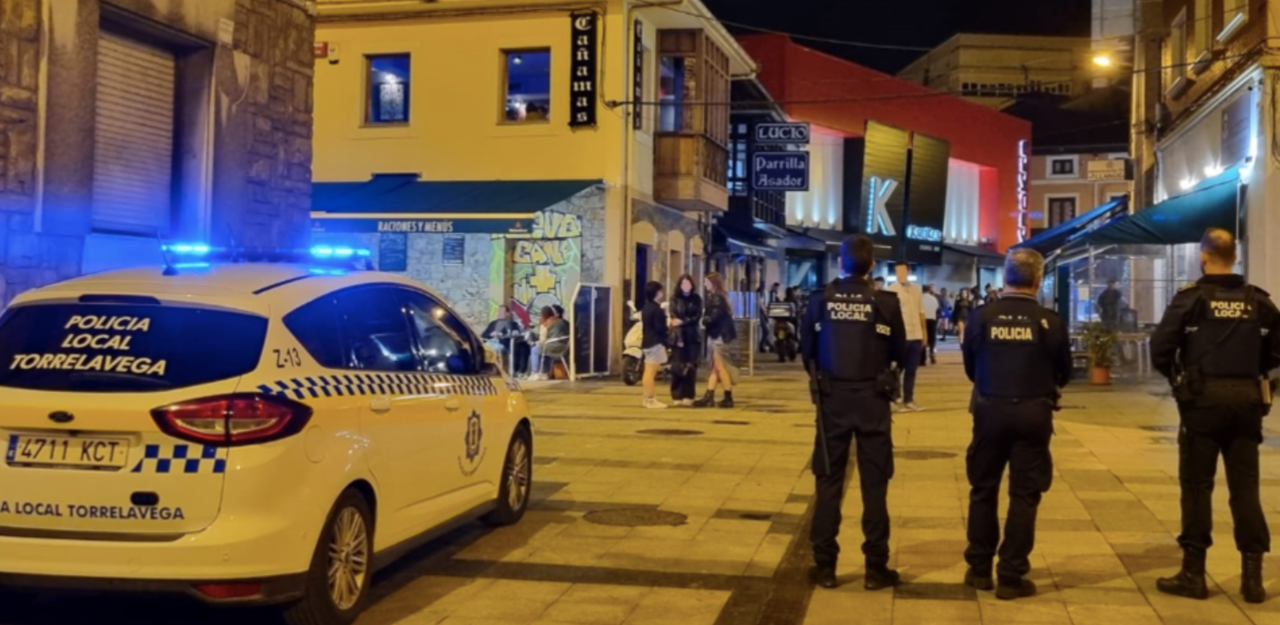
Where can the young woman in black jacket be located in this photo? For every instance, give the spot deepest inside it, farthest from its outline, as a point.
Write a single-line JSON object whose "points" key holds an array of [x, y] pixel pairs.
{"points": [[654, 341], [686, 317], [720, 333]]}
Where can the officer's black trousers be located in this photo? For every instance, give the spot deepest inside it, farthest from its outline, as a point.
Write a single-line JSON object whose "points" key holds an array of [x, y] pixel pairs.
{"points": [[846, 414], [1017, 435], [1234, 432]]}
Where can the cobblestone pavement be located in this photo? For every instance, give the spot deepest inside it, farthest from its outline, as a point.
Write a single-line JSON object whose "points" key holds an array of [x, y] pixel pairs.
{"points": [[698, 517]]}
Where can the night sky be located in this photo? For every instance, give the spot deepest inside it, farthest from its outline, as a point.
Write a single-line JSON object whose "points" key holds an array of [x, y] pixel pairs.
{"points": [[920, 23]]}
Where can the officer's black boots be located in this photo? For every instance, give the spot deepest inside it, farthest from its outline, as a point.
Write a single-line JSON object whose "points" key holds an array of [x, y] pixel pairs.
{"points": [[823, 576], [881, 577], [708, 400], [978, 580], [1015, 588], [1189, 582], [1251, 578]]}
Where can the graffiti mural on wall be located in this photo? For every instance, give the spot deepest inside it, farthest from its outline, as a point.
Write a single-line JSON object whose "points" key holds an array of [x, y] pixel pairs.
{"points": [[546, 265]]}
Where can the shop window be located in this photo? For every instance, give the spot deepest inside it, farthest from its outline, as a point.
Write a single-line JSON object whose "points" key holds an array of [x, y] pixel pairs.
{"points": [[528, 86], [1061, 209], [1062, 167], [1234, 14], [388, 79], [672, 92]]}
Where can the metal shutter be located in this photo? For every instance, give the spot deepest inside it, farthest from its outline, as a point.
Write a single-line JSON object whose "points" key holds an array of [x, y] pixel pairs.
{"points": [[133, 139]]}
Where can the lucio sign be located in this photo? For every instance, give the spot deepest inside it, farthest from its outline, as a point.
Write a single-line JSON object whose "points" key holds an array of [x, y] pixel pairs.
{"points": [[796, 133]]}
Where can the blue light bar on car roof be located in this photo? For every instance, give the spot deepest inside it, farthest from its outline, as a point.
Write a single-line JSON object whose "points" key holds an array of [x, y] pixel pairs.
{"points": [[316, 254]]}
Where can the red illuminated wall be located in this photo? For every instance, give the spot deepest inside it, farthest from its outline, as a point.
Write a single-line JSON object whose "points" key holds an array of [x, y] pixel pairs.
{"points": [[840, 95]]}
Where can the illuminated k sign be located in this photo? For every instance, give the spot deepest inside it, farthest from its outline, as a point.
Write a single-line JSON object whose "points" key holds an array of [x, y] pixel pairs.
{"points": [[878, 219]]}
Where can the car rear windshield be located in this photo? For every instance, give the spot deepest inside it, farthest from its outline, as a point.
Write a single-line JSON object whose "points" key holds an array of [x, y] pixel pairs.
{"points": [[125, 348]]}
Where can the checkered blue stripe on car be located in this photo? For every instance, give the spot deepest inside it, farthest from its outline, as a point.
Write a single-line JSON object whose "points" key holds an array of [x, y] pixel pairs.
{"points": [[182, 459], [357, 384]]}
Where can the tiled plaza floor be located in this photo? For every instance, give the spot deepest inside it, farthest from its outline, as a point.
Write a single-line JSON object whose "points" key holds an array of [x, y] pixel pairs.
{"points": [[596, 549]]}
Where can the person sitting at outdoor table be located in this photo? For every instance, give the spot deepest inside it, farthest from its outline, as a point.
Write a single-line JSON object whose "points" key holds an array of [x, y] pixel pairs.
{"points": [[552, 343], [501, 331]]}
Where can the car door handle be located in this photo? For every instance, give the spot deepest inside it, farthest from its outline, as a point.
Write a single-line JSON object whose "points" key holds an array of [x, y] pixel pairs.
{"points": [[452, 405], [380, 405]]}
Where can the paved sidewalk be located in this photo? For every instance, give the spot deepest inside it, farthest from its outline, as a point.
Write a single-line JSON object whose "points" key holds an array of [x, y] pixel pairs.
{"points": [[699, 517]]}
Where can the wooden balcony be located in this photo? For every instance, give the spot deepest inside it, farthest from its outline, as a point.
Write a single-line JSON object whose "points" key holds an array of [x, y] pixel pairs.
{"points": [[690, 172]]}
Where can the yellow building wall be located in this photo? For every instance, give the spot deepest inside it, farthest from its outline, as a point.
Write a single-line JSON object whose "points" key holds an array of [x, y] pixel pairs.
{"points": [[456, 129]]}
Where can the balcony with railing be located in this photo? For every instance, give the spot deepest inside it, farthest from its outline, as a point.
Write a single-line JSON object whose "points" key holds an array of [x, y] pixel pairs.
{"points": [[691, 147]]}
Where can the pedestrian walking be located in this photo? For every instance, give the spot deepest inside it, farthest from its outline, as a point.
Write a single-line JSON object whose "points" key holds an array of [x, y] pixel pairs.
{"points": [[1018, 355], [945, 306], [720, 334], [654, 342], [1217, 342], [911, 299], [686, 319], [930, 306], [851, 336], [960, 314]]}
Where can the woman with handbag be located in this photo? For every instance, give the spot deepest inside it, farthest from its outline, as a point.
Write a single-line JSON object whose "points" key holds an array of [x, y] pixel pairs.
{"points": [[720, 333], [686, 315]]}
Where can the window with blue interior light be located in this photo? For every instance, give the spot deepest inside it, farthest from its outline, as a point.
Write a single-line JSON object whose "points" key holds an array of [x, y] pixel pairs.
{"points": [[388, 89], [671, 94], [528, 86]]}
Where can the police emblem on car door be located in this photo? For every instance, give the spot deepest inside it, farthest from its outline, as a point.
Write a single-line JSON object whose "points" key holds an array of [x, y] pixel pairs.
{"points": [[473, 455]]}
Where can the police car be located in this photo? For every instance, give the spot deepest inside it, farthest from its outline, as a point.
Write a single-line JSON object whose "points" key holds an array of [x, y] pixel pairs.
{"points": [[246, 432]]}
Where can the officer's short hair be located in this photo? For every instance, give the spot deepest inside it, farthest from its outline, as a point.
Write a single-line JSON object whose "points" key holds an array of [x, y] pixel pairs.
{"points": [[1219, 245], [857, 255], [1023, 268]]}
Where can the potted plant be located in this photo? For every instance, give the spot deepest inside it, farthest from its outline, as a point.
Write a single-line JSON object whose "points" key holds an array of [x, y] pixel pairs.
{"points": [[1100, 343]]}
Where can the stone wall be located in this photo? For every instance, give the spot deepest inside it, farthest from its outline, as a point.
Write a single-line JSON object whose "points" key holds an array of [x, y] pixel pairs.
{"points": [[249, 183], [20, 262]]}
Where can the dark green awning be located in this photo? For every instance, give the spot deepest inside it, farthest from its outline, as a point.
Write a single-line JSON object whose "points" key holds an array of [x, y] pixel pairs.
{"points": [[1214, 203], [402, 203], [1055, 238]]}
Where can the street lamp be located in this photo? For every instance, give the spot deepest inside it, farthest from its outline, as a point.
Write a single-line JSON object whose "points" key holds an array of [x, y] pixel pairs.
{"points": [[1102, 60]]}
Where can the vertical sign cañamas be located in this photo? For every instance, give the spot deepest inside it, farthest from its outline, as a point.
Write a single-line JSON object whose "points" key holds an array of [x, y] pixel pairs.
{"points": [[637, 79], [584, 84]]}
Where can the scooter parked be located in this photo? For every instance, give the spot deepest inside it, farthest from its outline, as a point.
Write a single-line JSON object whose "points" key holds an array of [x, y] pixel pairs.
{"points": [[786, 341], [633, 350]]}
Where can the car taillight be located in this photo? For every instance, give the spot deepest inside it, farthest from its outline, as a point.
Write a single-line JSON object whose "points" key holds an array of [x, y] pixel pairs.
{"points": [[231, 420]]}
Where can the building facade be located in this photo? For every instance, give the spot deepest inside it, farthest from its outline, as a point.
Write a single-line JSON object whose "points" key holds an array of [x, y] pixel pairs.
{"points": [[938, 181], [995, 70], [127, 121], [1218, 88], [546, 145]]}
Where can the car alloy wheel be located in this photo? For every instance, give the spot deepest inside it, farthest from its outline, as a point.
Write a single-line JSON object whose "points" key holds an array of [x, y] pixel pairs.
{"points": [[518, 477], [348, 558]]}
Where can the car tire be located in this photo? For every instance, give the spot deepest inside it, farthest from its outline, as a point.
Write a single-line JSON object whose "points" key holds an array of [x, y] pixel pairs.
{"points": [[348, 530], [517, 481], [632, 369]]}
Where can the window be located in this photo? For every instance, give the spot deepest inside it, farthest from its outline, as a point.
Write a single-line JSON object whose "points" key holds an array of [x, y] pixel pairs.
{"points": [[1203, 23], [528, 86], [444, 344], [1177, 51], [671, 94], [738, 160], [1234, 14], [373, 323], [125, 347], [316, 327], [1061, 209], [1062, 167], [388, 80]]}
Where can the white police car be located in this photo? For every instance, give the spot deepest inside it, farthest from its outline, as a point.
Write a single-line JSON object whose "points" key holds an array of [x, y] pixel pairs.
{"points": [[245, 432]]}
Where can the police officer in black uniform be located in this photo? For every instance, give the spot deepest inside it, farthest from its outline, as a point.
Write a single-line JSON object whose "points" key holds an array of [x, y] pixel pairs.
{"points": [[1217, 341], [1018, 355], [850, 335]]}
